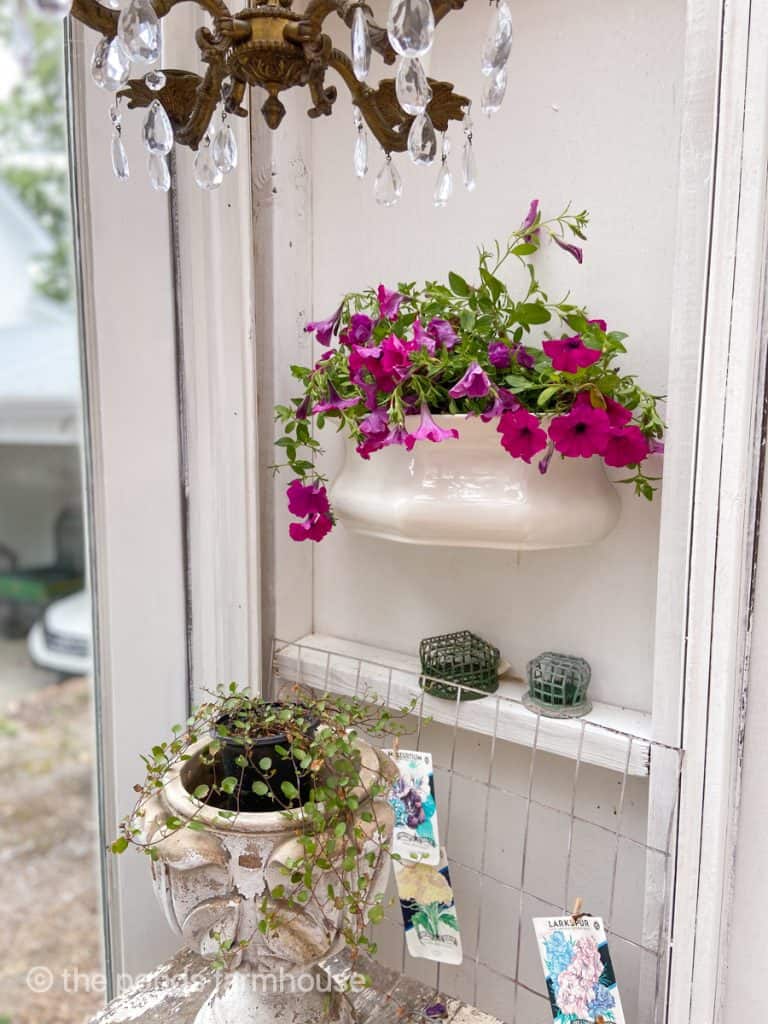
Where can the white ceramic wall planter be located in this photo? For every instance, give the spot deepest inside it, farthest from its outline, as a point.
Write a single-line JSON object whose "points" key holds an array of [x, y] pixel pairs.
{"points": [[471, 493]]}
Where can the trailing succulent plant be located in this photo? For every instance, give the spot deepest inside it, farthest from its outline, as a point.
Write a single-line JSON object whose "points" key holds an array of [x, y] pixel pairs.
{"points": [[301, 760]]}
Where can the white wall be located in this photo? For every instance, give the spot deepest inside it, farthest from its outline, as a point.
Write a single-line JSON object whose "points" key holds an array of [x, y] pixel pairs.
{"points": [[592, 115]]}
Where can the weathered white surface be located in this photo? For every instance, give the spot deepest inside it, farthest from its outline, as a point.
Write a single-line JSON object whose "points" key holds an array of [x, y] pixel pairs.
{"points": [[613, 737]]}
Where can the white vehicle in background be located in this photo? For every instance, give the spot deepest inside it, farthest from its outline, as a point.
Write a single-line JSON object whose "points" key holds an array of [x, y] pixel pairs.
{"points": [[61, 639]]}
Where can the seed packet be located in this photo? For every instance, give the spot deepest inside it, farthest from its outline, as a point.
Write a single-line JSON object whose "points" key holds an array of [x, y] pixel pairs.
{"points": [[429, 911], [416, 837], [581, 983]]}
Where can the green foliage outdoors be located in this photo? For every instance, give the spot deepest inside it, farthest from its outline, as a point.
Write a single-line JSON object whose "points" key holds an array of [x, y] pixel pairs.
{"points": [[33, 142]]}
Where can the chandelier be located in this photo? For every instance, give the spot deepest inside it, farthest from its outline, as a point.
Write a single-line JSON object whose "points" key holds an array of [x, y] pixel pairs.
{"points": [[274, 47]]}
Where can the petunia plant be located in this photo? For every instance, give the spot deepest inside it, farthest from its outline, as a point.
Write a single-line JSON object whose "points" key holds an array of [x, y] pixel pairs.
{"points": [[545, 373]]}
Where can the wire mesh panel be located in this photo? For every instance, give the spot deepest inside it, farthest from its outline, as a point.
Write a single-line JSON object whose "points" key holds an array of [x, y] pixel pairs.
{"points": [[534, 812]]}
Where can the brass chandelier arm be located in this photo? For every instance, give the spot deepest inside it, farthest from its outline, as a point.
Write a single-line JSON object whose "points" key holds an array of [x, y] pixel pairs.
{"points": [[318, 10], [93, 14]]}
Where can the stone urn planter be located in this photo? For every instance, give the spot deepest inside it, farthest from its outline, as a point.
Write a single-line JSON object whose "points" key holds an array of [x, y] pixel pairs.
{"points": [[471, 493], [213, 884]]}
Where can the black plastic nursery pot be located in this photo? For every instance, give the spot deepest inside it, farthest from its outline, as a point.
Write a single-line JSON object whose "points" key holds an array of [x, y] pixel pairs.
{"points": [[264, 764]]}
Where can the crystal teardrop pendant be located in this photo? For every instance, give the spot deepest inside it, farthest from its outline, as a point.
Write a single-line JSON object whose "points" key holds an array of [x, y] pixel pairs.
{"points": [[361, 45], [422, 140], [207, 175], [494, 90], [51, 8], [469, 166], [224, 148], [411, 27], [361, 153], [159, 173], [498, 43], [155, 80], [444, 187], [119, 158], [388, 186], [158, 132], [110, 64], [413, 90], [139, 29]]}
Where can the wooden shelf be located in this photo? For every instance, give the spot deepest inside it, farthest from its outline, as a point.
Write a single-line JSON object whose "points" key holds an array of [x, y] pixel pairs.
{"points": [[609, 737]]}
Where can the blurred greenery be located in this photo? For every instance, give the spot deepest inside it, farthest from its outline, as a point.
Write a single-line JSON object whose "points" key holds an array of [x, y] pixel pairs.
{"points": [[33, 139]]}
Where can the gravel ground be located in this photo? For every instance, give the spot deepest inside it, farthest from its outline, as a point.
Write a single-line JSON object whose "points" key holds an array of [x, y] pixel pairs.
{"points": [[49, 900]]}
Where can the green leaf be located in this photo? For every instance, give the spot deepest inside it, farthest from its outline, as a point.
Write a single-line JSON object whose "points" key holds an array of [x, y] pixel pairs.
{"points": [[202, 792], [532, 313], [376, 914], [229, 785], [524, 249], [260, 788], [458, 285], [546, 395], [196, 826], [289, 790], [120, 845], [265, 764], [467, 319]]}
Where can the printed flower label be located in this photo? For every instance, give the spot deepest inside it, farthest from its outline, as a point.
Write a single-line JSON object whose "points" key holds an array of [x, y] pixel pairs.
{"points": [[429, 911], [581, 983], [416, 836]]}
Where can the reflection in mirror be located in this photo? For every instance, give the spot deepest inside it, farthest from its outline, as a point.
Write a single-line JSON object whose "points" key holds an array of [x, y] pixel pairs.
{"points": [[49, 893]]}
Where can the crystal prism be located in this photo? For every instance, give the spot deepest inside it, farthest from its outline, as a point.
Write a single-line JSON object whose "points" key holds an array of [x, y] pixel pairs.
{"points": [[444, 187], [159, 173], [413, 90], [422, 140], [51, 8], [361, 45], [158, 133], [110, 64], [361, 153], [119, 158], [411, 26], [114, 4], [207, 174], [224, 148], [469, 166], [155, 80], [388, 186], [498, 43], [494, 89], [139, 29]]}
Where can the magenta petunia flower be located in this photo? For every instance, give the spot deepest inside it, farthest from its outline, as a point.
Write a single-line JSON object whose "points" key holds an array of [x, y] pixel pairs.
{"points": [[302, 409], [311, 528], [474, 383], [368, 358], [325, 329], [570, 354], [310, 503], [375, 442], [655, 447], [396, 356], [626, 446], [442, 332], [544, 463], [422, 338], [499, 355], [359, 330], [583, 432], [521, 434], [574, 250], [428, 430], [307, 499], [334, 402], [389, 303], [618, 414], [599, 323]]}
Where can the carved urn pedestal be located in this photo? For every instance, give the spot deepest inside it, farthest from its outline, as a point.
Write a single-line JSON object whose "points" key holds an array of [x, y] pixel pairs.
{"points": [[212, 883]]}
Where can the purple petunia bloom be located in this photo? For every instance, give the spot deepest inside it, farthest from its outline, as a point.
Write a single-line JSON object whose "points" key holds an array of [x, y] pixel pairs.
{"points": [[310, 503], [524, 358], [474, 383], [325, 329], [334, 402], [442, 332], [377, 422], [428, 430], [504, 401], [521, 434], [302, 409], [530, 217], [574, 250], [581, 433], [423, 339], [544, 463], [389, 303], [499, 355], [359, 330]]}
